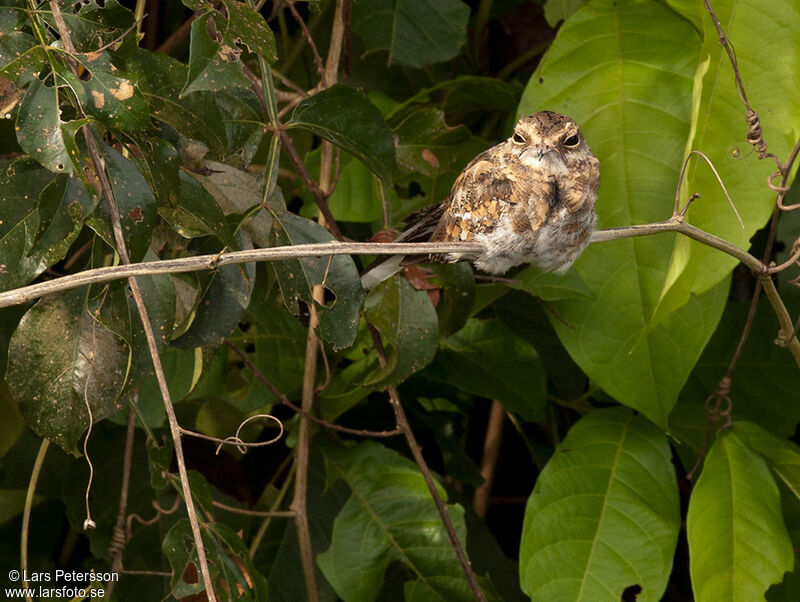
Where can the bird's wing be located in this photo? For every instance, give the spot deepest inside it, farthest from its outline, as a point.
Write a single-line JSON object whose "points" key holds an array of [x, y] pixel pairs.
{"points": [[487, 188]]}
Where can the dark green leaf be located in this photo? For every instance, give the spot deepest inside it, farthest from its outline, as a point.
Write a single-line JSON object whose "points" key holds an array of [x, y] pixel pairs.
{"points": [[738, 544], [94, 25], [486, 358], [390, 516], [338, 317], [196, 117], [60, 359], [108, 94], [608, 502], [408, 325], [21, 57], [196, 213], [247, 26], [135, 203], [415, 32], [212, 66], [21, 182], [243, 120], [39, 129], [159, 163], [457, 295], [223, 298], [346, 117]]}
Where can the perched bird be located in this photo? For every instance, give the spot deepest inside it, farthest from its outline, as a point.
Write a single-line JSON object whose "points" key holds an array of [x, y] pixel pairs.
{"points": [[529, 199]]}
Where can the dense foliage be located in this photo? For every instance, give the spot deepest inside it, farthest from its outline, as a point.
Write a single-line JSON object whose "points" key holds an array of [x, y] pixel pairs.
{"points": [[226, 125]]}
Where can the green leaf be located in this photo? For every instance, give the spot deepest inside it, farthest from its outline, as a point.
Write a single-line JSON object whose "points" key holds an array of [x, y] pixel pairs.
{"points": [[135, 202], [486, 358], [556, 11], [40, 131], [604, 514], [243, 118], [246, 26], [389, 516], [60, 358], [21, 182], [93, 25], [212, 66], [346, 117], [638, 352], [196, 213], [107, 93], [21, 57], [220, 305], [783, 456], [738, 544], [196, 117], [409, 328], [416, 33], [719, 129], [338, 319], [456, 295]]}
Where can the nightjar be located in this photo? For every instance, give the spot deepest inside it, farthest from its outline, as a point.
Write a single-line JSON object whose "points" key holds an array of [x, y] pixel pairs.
{"points": [[529, 199]]}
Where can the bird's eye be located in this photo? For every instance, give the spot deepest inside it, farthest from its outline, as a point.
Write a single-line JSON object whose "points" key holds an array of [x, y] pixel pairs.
{"points": [[572, 141], [518, 138]]}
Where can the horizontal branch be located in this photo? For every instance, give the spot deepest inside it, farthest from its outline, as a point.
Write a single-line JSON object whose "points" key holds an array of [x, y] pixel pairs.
{"points": [[198, 263]]}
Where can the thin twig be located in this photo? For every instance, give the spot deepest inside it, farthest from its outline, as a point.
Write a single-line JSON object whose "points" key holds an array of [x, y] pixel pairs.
{"points": [[309, 39], [119, 537], [122, 251], [261, 513], [285, 400], [26, 512], [491, 453], [416, 452]]}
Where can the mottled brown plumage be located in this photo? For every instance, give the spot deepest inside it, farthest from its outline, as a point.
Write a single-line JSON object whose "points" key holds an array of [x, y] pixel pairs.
{"points": [[529, 199]]}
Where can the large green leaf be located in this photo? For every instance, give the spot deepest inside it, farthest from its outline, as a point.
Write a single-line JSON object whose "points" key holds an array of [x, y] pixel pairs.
{"points": [[389, 516], [60, 358], [415, 32], [346, 117], [604, 515], [408, 326], [21, 57], [487, 358], [719, 130], [623, 70], [247, 27], [782, 455], [738, 544]]}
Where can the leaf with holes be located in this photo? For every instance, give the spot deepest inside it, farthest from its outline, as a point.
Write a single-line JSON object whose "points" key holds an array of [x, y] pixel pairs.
{"points": [[738, 544], [604, 515], [338, 317], [213, 65], [40, 131], [246, 26], [60, 358]]}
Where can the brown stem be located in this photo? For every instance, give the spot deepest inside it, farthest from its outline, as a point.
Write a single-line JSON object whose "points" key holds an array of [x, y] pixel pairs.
{"points": [[298, 505], [491, 453], [119, 538], [285, 400], [441, 507], [122, 251]]}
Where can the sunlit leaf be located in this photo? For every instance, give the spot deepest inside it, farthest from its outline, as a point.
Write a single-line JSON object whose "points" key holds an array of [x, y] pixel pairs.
{"points": [[604, 515], [738, 545]]}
